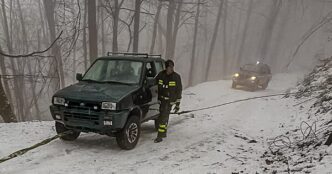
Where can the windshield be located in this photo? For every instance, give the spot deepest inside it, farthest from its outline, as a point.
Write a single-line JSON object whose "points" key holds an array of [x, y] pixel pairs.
{"points": [[251, 68], [114, 71]]}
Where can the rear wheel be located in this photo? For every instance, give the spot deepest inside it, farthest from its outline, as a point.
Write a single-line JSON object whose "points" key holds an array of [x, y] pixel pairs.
{"points": [[128, 137], [71, 135]]}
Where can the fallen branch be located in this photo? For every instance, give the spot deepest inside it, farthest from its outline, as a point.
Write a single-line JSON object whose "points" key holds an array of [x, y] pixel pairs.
{"points": [[32, 53]]}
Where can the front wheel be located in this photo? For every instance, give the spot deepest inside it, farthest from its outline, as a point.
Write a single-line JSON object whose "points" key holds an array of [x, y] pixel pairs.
{"points": [[264, 86], [253, 87], [234, 85], [128, 137], [71, 135]]}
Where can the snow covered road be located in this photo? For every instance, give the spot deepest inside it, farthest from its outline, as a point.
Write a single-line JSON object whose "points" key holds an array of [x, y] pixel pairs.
{"points": [[218, 140]]}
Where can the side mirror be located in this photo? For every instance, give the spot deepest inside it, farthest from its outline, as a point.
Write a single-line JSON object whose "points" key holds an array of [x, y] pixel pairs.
{"points": [[149, 73], [79, 76]]}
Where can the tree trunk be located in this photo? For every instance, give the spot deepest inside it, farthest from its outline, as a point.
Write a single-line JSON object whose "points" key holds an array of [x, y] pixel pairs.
{"points": [[245, 31], [176, 27], [42, 22], [56, 67], [136, 25], [213, 41], [101, 10], [5, 81], [84, 46], [169, 30], [155, 25], [17, 92], [193, 53], [160, 40], [93, 33], [5, 110], [115, 13], [268, 31], [224, 40], [32, 82]]}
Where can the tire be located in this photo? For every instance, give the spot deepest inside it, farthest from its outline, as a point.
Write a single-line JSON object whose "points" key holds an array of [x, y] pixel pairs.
{"points": [[128, 137], [264, 86], [234, 85], [253, 88], [60, 128]]}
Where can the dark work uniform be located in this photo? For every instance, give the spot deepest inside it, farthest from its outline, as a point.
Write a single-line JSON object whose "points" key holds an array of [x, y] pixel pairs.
{"points": [[169, 93]]}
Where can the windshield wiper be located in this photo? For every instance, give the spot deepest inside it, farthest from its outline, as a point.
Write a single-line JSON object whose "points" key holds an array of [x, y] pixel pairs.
{"points": [[116, 82], [90, 80]]}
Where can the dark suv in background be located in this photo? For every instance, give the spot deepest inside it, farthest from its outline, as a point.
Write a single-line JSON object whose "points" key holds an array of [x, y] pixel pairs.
{"points": [[116, 94], [253, 76]]}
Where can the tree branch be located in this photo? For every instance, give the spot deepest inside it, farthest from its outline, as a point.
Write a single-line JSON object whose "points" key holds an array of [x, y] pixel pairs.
{"points": [[32, 53]]}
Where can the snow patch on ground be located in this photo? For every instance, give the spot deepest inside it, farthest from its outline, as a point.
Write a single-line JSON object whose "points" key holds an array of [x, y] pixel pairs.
{"points": [[229, 139]]}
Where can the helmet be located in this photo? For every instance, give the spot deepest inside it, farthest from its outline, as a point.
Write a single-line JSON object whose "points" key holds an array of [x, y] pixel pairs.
{"points": [[169, 63]]}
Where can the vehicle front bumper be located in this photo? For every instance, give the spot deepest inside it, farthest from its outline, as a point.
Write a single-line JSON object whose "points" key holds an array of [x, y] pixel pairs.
{"points": [[244, 82], [84, 120]]}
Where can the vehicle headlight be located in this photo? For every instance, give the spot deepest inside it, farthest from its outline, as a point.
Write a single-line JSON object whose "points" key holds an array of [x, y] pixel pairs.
{"points": [[253, 78], [108, 106], [59, 101], [236, 75]]}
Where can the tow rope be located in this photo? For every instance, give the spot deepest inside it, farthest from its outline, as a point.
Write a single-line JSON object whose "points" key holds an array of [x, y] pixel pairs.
{"points": [[235, 101], [48, 140], [25, 150]]}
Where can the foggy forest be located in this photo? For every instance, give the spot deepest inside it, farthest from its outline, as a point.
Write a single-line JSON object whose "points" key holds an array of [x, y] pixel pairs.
{"points": [[44, 43], [251, 91]]}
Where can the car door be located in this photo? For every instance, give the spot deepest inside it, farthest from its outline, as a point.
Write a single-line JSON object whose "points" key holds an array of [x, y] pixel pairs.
{"points": [[156, 67]]}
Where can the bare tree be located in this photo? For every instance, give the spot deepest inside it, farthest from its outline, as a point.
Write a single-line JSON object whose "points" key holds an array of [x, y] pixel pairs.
{"points": [[56, 66], [19, 96], [245, 30], [5, 110], [93, 34], [213, 41], [84, 46], [32, 82], [114, 11], [137, 15], [169, 29], [155, 25], [268, 30], [193, 53], [176, 27], [224, 40]]}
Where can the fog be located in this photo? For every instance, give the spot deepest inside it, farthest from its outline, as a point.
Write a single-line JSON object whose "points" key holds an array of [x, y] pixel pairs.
{"points": [[44, 43]]}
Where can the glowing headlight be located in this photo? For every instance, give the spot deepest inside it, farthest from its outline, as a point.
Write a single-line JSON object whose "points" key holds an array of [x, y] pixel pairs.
{"points": [[253, 78], [236, 75], [58, 101], [108, 106]]}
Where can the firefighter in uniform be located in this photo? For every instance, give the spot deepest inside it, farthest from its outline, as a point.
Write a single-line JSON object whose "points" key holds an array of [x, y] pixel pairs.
{"points": [[169, 94]]}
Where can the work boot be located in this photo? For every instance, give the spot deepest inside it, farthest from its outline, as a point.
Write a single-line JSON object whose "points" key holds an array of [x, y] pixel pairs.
{"points": [[158, 140]]}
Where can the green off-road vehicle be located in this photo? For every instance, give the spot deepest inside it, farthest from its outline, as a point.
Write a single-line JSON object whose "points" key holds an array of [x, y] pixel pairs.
{"points": [[253, 76], [116, 94]]}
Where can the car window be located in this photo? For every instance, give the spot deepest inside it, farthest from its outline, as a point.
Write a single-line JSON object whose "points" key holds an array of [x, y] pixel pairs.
{"points": [[159, 66], [251, 68], [122, 71], [150, 70]]}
